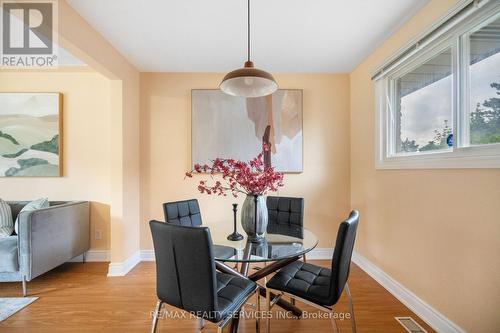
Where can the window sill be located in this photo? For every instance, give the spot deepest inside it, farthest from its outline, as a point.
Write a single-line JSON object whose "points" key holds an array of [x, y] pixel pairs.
{"points": [[468, 157]]}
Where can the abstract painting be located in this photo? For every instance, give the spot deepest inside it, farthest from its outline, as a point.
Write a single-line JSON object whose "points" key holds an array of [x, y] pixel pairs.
{"points": [[30, 134], [236, 127]]}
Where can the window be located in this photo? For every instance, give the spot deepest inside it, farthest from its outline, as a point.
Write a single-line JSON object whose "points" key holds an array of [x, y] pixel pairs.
{"points": [[423, 106], [484, 72], [438, 101]]}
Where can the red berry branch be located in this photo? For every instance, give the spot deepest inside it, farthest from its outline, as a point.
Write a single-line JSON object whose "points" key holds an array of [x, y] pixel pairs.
{"points": [[253, 177]]}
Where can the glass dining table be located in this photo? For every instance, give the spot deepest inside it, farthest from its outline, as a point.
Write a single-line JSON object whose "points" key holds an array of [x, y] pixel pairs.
{"points": [[282, 245]]}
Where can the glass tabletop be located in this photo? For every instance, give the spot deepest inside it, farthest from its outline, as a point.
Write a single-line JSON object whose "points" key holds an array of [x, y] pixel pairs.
{"points": [[280, 242]]}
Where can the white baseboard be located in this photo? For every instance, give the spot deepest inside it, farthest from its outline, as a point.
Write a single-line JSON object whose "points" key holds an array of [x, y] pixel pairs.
{"points": [[122, 268], [93, 256], [319, 253], [431, 316], [147, 255]]}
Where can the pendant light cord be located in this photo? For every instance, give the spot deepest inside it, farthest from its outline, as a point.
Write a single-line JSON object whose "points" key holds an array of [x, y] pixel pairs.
{"points": [[248, 30]]}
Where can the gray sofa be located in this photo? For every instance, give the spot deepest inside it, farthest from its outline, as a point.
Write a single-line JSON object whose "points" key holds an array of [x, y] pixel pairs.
{"points": [[47, 238]]}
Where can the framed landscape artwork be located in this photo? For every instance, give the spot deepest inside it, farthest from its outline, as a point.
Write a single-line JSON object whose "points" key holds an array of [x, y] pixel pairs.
{"points": [[235, 127], [30, 134]]}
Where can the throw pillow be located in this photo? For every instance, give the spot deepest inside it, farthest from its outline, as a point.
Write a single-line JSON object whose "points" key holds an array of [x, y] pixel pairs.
{"points": [[33, 205], [6, 222]]}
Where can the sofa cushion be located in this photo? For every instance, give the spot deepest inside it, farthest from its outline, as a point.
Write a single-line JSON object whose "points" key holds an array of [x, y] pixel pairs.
{"points": [[6, 222], [33, 205], [8, 254]]}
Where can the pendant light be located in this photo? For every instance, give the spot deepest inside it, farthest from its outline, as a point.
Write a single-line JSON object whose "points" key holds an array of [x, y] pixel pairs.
{"points": [[248, 81]]}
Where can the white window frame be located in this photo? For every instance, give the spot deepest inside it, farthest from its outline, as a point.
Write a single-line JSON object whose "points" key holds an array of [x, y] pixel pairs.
{"points": [[461, 155]]}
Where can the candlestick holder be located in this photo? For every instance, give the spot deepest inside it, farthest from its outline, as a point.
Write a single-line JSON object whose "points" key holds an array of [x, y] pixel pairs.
{"points": [[235, 236]]}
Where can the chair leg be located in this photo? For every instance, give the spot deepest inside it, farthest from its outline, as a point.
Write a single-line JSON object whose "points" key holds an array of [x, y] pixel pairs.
{"points": [[334, 323], [304, 258], [155, 316], [84, 257], [257, 318], [268, 309], [351, 308]]}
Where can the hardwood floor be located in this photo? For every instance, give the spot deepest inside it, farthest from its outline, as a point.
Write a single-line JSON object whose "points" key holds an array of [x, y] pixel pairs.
{"points": [[79, 297]]}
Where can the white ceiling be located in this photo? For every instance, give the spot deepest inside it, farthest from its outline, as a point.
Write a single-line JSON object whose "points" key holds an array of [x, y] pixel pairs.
{"points": [[210, 36]]}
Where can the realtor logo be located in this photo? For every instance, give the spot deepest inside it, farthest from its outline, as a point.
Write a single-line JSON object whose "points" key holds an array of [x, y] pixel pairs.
{"points": [[28, 31]]}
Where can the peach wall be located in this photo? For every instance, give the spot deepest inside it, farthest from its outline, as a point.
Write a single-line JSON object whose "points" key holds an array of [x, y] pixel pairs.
{"points": [[79, 38], [86, 144], [166, 148], [437, 232]]}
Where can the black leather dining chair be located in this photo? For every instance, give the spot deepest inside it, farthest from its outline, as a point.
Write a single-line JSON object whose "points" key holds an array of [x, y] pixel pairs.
{"points": [[315, 285], [285, 213], [187, 213], [186, 277]]}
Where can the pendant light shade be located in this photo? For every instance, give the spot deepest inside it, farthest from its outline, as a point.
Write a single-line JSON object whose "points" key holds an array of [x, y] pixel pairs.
{"points": [[248, 81]]}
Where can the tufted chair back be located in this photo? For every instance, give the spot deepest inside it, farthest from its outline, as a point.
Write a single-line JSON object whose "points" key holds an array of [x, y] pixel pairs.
{"points": [[285, 211], [185, 213]]}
